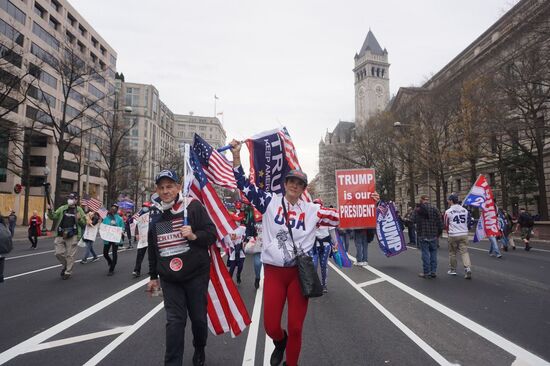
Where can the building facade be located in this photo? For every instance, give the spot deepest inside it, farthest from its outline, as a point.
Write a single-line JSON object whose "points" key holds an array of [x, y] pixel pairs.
{"points": [[372, 94], [36, 38], [499, 52], [209, 128], [150, 139]]}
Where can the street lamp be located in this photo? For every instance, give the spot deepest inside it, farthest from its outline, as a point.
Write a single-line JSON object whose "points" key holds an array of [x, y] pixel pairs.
{"points": [[398, 125], [46, 193]]}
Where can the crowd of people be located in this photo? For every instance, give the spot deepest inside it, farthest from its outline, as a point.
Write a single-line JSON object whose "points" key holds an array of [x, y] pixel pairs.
{"points": [[176, 232]]}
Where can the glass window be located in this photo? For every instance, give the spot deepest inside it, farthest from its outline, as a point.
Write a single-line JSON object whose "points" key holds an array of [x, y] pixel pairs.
{"points": [[39, 10], [45, 36], [94, 42], [82, 30], [3, 158], [53, 23], [56, 6], [38, 115], [10, 56], [76, 96], [13, 10], [132, 97], [41, 96], [112, 58], [37, 160], [11, 33], [44, 55], [42, 75], [72, 19]]}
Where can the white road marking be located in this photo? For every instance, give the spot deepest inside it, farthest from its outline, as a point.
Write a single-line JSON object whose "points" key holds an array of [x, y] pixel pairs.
{"points": [[268, 349], [250, 349], [120, 339], [77, 339], [29, 255], [371, 282], [32, 342], [409, 333], [523, 356]]}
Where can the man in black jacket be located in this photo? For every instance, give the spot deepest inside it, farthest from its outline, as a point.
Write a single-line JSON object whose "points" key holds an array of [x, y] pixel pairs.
{"points": [[178, 254], [429, 227]]}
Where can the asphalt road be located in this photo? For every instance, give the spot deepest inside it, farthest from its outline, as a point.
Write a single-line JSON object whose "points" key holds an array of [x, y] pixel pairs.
{"points": [[379, 315]]}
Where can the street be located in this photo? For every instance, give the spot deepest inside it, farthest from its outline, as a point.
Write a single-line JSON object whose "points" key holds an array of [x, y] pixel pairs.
{"points": [[383, 314]]}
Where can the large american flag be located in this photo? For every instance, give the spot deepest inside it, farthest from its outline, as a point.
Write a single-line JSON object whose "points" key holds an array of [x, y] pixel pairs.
{"points": [[203, 190], [94, 205], [216, 167], [168, 233]]}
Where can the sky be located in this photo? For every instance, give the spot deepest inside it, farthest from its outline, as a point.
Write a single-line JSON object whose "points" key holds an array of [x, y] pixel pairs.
{"points": [[280, 63]]}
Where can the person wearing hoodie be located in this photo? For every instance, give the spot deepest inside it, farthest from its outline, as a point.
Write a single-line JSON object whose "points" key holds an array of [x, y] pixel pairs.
{"points": [[69, 219], [112, 219], [180, 233]]}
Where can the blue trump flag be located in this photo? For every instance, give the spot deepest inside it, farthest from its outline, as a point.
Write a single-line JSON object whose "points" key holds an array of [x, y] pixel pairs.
{"points": [[390, 236], [268, 165]]}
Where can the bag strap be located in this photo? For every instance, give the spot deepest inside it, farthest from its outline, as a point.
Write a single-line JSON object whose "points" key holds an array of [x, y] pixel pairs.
{"points": [[285, 213]]}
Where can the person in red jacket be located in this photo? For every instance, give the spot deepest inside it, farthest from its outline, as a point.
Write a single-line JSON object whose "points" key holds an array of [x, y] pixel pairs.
{"points": [[35, 222]]}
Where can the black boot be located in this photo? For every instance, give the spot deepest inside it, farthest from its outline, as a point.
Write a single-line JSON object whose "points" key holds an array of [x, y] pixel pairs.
{"points": [[279, 351], [257, 283], [199, 357], [238, 279]]}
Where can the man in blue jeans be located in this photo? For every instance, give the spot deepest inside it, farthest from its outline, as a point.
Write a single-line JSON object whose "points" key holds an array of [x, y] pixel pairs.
{"points": [[362, 239], [429, 226]]}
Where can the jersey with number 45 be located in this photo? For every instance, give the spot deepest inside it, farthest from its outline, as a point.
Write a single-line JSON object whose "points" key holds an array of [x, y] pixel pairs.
{"points": [[456, 220]]}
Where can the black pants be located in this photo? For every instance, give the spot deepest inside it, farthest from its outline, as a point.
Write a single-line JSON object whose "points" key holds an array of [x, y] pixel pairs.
{"points": [[238, 262], [181, 298], [110, 262], [139, 259], [34, 240]]}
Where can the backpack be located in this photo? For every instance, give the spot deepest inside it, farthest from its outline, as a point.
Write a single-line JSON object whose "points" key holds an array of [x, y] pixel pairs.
{"points": [[6, 244]]}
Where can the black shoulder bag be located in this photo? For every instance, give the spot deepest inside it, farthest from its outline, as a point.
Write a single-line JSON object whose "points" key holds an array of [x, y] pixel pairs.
{"points": [[309, 280]]}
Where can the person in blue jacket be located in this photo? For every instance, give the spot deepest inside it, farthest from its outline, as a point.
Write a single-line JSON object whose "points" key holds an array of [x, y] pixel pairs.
{"points": [[112, 219]]}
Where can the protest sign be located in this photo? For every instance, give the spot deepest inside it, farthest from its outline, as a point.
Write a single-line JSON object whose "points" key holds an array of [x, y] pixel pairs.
{"points": [[110, 233], [356, 206]]}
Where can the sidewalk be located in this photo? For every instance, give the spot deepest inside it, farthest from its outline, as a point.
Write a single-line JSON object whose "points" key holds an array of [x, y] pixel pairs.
{"points": [[21, 234]]}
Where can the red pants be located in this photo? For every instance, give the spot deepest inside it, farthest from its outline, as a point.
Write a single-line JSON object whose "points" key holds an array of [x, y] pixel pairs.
{"points": [[280, 284]]}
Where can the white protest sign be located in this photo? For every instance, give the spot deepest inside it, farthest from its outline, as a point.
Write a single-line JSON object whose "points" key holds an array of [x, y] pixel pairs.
{"points": [[142, 223], [110, 233], [91, 232]]}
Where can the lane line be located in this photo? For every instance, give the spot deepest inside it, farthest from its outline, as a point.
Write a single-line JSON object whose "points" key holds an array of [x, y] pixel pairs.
{"points": [[56, 266], [402, 327], [77, 339], [268, 350], [521, 354], [32, 342], [250, 349], [371, 282], [120, 339], [28, 255]]}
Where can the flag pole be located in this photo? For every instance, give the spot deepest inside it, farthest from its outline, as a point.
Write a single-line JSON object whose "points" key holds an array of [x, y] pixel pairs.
{"points": [[185, 177]]}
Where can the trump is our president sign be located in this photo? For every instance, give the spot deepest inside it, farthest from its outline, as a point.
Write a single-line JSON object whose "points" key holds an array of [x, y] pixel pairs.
{"points": [[356, 206]]}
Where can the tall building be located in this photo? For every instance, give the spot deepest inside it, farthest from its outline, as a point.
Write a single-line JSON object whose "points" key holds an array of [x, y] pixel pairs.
{"points": [[150, 140], [372, 79], [372, 95], [36, 37], [209, 128]]}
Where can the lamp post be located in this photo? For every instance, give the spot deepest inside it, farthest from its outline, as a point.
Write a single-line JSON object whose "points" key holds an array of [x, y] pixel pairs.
{"points": [[46, 192]]}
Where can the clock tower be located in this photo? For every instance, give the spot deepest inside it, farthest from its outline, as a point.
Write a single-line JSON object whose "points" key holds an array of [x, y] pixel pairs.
{"points": [[372, 80]]}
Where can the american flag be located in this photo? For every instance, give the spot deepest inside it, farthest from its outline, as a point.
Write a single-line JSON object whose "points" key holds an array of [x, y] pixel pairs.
{"points": [[203, 190], [216, 167], [226, 309], [292, 157], [94, 205]]}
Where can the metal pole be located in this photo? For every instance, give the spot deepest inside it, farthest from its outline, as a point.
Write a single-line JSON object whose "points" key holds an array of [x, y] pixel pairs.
{"points": [[429, 189], [88, 165]]}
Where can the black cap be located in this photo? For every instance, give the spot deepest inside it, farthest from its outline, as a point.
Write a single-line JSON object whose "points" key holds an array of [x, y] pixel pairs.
{"points": [[453, 198], [170, 174], [298, 174]]}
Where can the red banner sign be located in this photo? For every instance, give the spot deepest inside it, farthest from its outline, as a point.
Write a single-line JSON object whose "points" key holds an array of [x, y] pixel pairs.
{"points": [[356, 207]]}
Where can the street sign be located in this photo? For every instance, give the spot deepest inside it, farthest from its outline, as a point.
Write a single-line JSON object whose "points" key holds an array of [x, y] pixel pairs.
{"points": [[356, 207]]}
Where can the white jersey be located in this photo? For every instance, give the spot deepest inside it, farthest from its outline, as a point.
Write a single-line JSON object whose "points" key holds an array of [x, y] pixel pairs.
{"points": [[456, 220]]}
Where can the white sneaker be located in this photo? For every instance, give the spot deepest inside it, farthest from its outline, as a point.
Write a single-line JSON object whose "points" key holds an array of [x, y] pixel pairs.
{"points": [[365, 264], [451, 272], [358, 264]]}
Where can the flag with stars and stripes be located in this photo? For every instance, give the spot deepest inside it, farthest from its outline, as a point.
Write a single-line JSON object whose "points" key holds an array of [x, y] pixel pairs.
{"points": [[217, 168], [203, 190], [268, 162], [94, 205]]}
